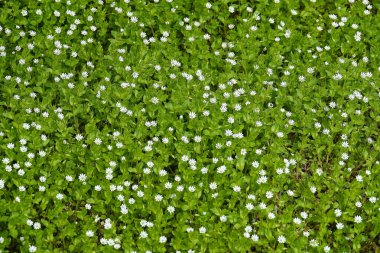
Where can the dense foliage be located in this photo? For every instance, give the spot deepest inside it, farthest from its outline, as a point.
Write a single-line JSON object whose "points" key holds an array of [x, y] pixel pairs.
{"points": [[189, 126]]}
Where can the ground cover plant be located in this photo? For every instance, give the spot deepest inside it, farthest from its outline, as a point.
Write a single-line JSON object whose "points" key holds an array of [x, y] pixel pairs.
{"points": [[189, 126]]}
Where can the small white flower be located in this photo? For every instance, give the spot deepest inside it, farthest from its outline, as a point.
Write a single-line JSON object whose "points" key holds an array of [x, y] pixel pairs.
{"points": [[155, 100], [143, 234], [313, 243], [82, 177], [223, 218], [32, 248], [29, 222], [255, 164], [304, 215], [372, 199], [158, 198], [249, 206], [192, 115], [297, 221], [254, 238], [162, 239], [89, 233], [37, 225], [171, 209], [213, 186], [358, 219], [339, 225], [281, 239], [271, 215]]}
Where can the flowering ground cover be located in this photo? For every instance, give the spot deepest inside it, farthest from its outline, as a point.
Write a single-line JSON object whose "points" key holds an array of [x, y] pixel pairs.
{"points": [[189, 126]]}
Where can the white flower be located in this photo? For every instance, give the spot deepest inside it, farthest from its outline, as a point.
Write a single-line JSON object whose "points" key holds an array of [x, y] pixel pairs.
{"points": [[197, 138], [313, 243], [223, 218], [69, 178], [37, 225], [339, 225], [254, 238], [32, 248], [171, 209], [358, 219], [255, 164], [281, 239], [78, 137], [98, 141], [372, 199], [202, 230], [29, 222], [249, 206], [89, 233], [162, 239], [213, 186], [155, 100], [143, 234], [297, 221], [192, 115], [304, 215], [251, 196], [158, 198], [82, 177], [107, 224]]}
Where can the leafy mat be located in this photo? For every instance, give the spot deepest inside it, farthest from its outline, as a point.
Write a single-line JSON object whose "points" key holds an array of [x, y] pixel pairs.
{"points": [[188, 126]]}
